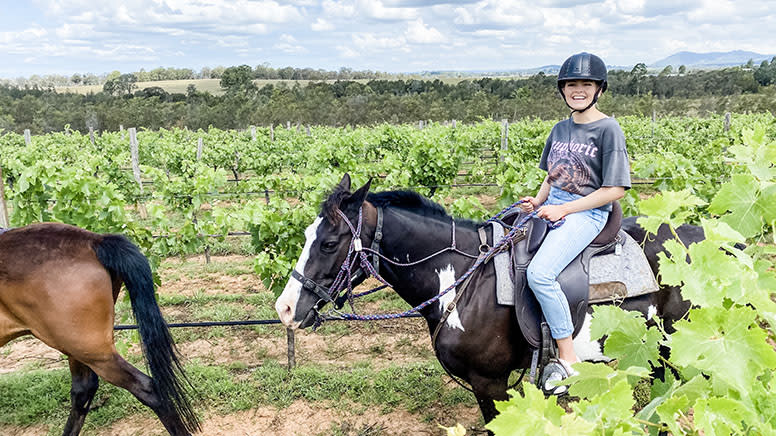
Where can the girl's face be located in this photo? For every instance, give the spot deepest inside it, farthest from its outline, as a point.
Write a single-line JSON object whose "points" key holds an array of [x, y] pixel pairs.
{"points": [[579, 93]]}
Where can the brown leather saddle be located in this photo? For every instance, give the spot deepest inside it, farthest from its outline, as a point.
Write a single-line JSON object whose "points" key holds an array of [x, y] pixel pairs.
{"points": [[574, 279]]}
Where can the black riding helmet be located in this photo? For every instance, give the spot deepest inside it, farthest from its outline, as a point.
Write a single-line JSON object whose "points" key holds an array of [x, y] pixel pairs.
{"points": [[583, 66]]}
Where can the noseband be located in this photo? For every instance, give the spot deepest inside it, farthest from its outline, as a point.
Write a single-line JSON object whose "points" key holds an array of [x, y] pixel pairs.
{"points": [[345, 277]]}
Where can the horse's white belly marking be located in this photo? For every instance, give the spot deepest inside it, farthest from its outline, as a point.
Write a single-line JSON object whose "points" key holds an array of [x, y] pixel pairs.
{"points": [[585, 348], [447, 278]]}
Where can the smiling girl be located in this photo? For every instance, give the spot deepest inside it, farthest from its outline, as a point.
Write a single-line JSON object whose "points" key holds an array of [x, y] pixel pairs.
{"points": [[587, 169]]}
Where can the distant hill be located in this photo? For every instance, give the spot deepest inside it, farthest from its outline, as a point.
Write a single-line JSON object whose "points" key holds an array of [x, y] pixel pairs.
{"points": [[711, 60], [689, 59]]}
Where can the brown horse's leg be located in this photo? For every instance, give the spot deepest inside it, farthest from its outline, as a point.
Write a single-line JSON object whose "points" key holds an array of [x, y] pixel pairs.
{"points": [[84, 386], [119, 372]]}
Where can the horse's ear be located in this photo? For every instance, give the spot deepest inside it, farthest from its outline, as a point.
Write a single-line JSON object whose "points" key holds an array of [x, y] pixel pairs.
{"points": [[359, 196], [344, 184]]}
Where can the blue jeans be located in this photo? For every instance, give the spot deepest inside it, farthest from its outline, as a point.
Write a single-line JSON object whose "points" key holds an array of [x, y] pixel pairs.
{"points": [[559, 248]]}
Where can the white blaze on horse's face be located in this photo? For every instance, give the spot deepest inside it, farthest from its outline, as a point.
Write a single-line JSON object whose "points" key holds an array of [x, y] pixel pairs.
{"points": [[447, 278], [286, 303]]}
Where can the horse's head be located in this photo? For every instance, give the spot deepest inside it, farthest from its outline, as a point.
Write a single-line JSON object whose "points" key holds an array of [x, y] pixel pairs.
{"points": [[329, 240]]}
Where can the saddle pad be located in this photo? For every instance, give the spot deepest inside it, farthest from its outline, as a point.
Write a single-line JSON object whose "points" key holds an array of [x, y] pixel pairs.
{"points": [[505, 290], [622, 274]]}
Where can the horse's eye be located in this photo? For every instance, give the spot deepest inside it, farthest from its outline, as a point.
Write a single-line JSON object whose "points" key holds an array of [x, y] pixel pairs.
{"points": [[329, 245]]}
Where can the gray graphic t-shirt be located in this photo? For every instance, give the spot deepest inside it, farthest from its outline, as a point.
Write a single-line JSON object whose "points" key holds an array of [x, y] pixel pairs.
{"points": [[580, 158]]}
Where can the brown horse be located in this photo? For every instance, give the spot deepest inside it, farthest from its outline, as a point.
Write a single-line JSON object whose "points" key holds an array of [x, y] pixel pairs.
{"points": [[60, 283]]}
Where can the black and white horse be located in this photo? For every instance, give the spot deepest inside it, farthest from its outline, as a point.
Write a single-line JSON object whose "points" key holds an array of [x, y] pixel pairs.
{"points": [[480, 341]]}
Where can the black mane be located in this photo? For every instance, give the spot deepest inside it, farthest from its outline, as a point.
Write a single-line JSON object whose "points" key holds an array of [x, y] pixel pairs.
{"points": [[410, 201], [407, 200]]}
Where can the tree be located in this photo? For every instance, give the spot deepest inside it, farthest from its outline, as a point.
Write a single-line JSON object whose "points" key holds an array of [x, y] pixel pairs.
{"points": [[238, 80], [124, 84], [637, 75], [766, 73]]}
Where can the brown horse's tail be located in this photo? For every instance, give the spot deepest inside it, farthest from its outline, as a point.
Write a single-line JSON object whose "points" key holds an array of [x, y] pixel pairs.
{"points": [[122, 258]]}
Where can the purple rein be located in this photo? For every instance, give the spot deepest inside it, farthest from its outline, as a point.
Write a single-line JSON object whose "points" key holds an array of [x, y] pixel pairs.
{"points": [[356, 250]]}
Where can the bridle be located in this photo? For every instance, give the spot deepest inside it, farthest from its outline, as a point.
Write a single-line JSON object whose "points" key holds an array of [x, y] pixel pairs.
{"points": [[358, 256]]}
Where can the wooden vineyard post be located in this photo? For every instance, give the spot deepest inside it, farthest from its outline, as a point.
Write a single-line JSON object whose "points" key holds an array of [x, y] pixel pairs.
{"points": [[271, 133], [134, 151], [4, 222], [91, 135], [727, 121], [253, 133], [200, 145], [291, 348], [27, 137], [504, 138]]}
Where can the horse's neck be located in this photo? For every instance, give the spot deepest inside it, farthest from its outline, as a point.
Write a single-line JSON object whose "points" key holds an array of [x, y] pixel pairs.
{"points": [[408, 238]]}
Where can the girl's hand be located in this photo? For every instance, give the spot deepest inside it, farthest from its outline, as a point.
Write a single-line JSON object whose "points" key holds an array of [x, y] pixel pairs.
{"points": [[554, 212], [529, 204]]}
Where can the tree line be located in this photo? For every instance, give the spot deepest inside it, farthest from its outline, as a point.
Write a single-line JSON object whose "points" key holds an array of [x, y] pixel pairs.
{"points": [[350, 102], [262, 71]]}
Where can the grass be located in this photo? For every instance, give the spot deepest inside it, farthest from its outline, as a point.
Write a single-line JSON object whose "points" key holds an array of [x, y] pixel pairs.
{"points": [[347, 429], [42, 397]]}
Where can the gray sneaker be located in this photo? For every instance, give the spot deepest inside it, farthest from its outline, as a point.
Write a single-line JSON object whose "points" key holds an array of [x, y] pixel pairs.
{"points": [[554, 372]]}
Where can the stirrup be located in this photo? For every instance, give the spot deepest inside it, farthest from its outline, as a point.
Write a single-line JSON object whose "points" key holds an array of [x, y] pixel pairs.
{"points": [[553, 373]]}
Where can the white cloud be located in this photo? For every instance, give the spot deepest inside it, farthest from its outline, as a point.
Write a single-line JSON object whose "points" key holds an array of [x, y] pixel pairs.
{"points": [[716, 11], [347, 52], [321, 25], [418, 33], [499, 13], [289, 44], [370, 41], [87, 35], [339, 9], [375, 9]]}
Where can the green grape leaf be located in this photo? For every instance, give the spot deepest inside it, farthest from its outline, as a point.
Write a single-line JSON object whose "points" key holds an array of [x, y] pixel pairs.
{"points": [[610, 407], [666, 207], [721, 416], [747, 206], [671, 411], [629, 339], [525, 414], [710, 277], [723, 343], [673, 269]]}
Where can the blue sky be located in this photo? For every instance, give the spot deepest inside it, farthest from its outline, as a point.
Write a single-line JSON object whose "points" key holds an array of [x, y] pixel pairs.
{"points": [[87, 36]]}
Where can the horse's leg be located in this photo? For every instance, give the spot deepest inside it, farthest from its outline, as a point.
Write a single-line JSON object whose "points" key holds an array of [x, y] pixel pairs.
{"points": [[486, 390], [84, 386], [119, 372]]}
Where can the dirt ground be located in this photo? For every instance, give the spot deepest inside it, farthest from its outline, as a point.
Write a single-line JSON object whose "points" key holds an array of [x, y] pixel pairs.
{"points": [[398, 342], [299, 419]]}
